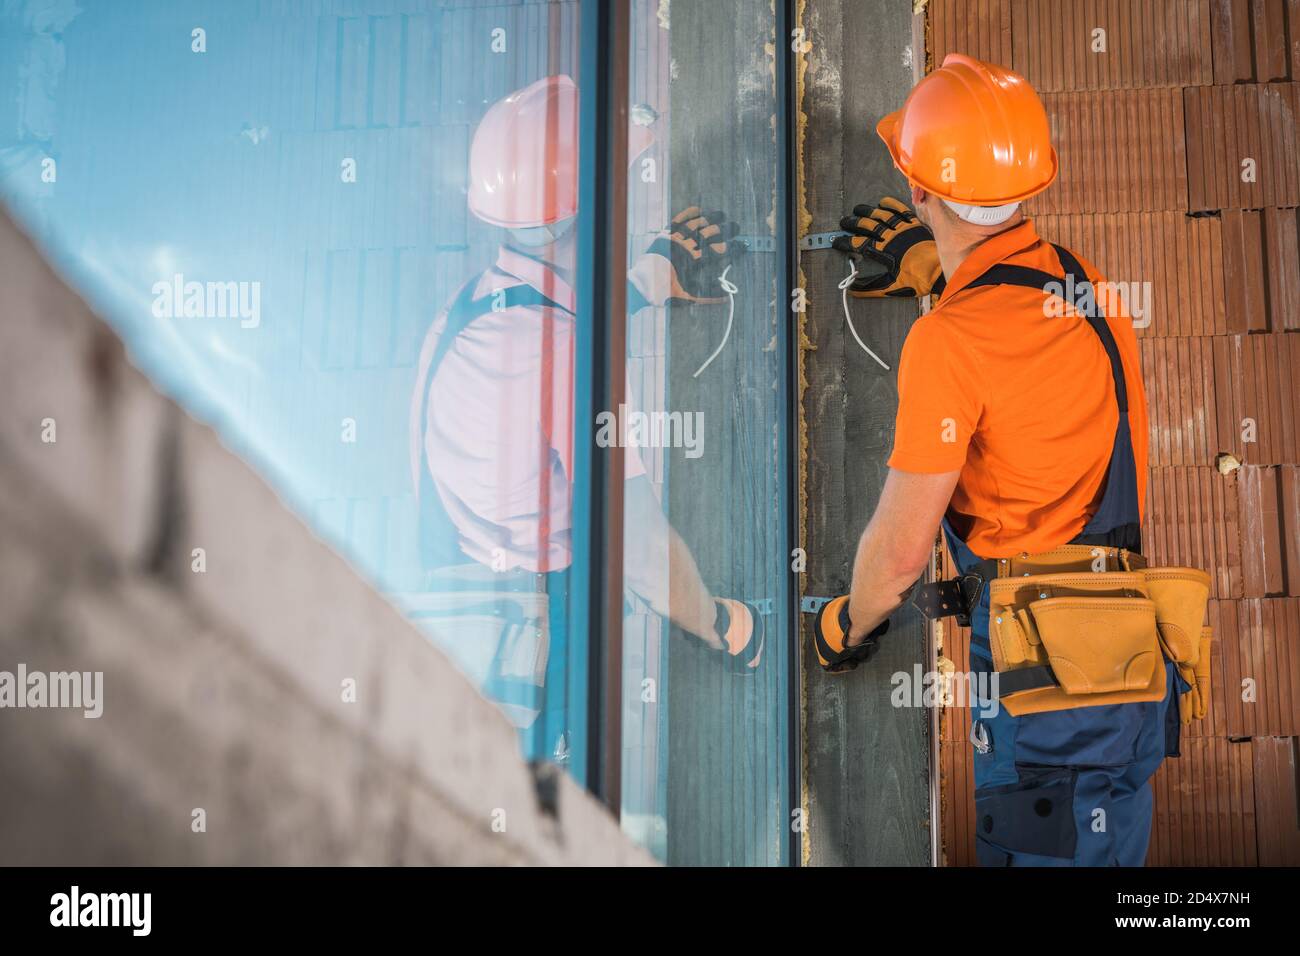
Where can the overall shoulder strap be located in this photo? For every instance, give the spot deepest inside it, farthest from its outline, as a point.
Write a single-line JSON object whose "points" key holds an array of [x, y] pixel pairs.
{"points": [[466, 309], [1074, 287], [1086, 303], [438, 545], [1116, 521]]}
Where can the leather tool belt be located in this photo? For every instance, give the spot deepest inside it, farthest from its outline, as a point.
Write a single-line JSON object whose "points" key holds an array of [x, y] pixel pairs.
{"points": [[1083, 625]]}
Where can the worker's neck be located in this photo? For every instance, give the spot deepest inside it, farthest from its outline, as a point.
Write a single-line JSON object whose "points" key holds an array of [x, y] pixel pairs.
{"points": [[956, 244]]}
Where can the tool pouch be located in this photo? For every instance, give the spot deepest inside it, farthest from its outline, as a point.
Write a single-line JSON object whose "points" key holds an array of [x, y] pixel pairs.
{"points": [[1099, 645], [1084, 638]]}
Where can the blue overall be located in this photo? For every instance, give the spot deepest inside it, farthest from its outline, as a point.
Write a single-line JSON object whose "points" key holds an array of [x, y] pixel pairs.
{"points": [[1069, 787]]}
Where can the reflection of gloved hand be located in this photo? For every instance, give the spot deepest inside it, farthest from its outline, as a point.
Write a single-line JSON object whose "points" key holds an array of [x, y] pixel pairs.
{"points": [[891, 235], [830, 630], [684, 261], [740, 628]]}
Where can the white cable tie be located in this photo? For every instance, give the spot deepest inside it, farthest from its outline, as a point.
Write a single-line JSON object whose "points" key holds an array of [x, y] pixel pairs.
{"points": [[844, 298], [731, 289]]}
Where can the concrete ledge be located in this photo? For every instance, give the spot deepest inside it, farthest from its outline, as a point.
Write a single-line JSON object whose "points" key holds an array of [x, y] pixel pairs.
{"points": [[222, 690]]}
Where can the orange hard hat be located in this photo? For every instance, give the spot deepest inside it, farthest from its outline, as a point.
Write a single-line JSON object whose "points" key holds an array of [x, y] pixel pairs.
{"points": [[523, 161], [973, 133]]}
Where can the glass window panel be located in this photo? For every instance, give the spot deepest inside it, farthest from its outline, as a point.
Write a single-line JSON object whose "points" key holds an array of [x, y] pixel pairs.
{"points": [[705, 735], [316, 223]]}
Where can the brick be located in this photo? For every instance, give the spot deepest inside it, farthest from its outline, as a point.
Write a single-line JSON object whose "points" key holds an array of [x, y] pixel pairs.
{"points": [[1260, 639], [982, 30], [1243, 267], [1277, 812], [1282, 253], [1162, 44], [1271, 59], [1256, 122], [1230, 41], [1208, 791], [1289, 476], [1093, 179], [1261, 536]]}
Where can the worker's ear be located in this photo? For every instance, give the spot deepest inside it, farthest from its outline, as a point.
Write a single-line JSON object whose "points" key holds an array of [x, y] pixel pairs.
{"points": [[920, 204]]}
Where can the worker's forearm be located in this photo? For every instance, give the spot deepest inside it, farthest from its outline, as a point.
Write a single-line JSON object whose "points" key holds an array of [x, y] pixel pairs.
{"points": [[880, 583], [661, 569], [897, 545]]}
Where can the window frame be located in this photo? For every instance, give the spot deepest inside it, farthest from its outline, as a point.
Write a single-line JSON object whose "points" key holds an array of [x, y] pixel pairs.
{"points": [[600, 357], [600, 360]]}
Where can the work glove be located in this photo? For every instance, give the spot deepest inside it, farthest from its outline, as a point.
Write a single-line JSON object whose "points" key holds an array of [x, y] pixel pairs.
{"points": [[685, 261], [1194, 703], [831, 628], [891, 235]]}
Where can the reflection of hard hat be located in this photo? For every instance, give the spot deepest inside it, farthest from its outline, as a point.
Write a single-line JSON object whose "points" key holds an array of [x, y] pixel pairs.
{"points": [[973, 133], [523, 162]]}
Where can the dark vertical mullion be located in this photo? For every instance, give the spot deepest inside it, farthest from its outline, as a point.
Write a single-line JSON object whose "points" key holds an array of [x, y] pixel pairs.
{"points": [[601, 348], [787, 215]]}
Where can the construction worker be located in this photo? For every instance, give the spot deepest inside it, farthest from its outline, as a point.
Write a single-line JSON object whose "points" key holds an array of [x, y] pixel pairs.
{"points": [[1021, 427], [491, 421]]}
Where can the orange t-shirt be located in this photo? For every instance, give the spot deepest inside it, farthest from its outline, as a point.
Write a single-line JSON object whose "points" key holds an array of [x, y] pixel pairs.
{"points": [[1014, 389]]}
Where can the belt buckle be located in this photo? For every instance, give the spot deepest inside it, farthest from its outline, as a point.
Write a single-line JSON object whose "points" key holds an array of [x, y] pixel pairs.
{"points": [[971, 585]]}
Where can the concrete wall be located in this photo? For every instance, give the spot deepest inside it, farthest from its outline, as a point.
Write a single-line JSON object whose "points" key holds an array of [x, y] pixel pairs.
{"points": [[866, 765], [223, 690]]}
